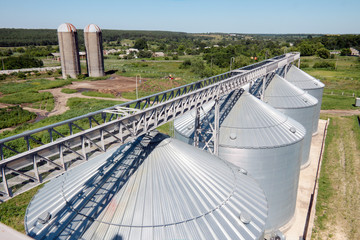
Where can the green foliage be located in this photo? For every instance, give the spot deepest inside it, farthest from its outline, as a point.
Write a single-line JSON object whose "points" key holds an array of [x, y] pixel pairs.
{"points": [[21, 62], [12, 212], [21, 75], [345, 52], [323, 53], [141, 44], [97, 94], [25, 97], [3, 76], [307, 49], [68, 90], [175, 57], [35, 85], [145, 54], [185, 64], [81, 76], [324, 64], [13, 116]]}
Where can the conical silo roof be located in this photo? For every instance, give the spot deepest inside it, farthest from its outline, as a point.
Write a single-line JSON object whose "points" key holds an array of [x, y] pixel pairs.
{"points": [[185, 124], [302, 80], [175, 192], [255, 124], [283, 94], [310, 84], [267, 143], [295, 103]]}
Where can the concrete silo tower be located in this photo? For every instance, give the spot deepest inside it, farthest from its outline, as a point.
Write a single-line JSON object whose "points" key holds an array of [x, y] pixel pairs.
{"points": [[69, 50], [94, 50]]}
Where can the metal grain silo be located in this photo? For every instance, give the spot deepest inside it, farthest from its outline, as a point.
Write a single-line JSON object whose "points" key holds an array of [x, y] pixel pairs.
{"points": [[69, 50], [266, 143], [311, 85], [153, 188], [184, 125], [94, 50], [297, 104]]}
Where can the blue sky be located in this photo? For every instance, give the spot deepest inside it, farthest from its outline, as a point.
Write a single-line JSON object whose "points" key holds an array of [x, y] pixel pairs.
{"points": [[194, 16]]}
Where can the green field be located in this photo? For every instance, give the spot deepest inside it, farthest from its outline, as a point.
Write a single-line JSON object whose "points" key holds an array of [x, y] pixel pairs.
{"points": [[342, 84]]}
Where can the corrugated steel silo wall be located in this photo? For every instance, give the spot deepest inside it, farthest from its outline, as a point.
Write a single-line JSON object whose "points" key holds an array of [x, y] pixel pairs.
{"points": [[94, 54], [304, 116], [69, 54], [279, 183], [317, 93]]}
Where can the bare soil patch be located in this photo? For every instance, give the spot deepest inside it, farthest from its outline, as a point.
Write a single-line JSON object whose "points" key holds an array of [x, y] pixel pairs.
{"points": [[114, 85]]}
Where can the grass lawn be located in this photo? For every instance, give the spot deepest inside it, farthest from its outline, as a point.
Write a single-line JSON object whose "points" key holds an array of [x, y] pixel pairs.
{"points": [[342, 85], [338, 202]]}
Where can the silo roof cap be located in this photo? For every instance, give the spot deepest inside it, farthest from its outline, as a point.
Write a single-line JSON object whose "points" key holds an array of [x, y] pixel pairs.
{"points": [[303, 80], [92, 28], [66, 27], [283, 94], [258, 125]]}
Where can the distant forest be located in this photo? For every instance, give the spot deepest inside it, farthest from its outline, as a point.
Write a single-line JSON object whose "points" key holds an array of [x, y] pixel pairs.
{"points": [[43, 37]]}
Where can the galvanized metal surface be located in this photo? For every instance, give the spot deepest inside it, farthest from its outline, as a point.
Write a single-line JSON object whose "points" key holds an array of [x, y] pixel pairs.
{"points": [[266, 143], [94, 51], [69, 50], [295, 103], [105, 129], [311, 85], [185, 124], [169, 192]]}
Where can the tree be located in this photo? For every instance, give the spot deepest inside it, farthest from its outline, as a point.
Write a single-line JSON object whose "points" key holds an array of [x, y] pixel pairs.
{"points": [[141, 44], [307, 49], [145, 54], [345, 52], [323, 53]]}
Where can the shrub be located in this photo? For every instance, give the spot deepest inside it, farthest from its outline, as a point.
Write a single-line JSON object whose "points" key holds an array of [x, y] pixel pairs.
{"points": [[22, 62], [21, 75], [185, 64], [323, 53], [324, 64], [13, 116], [304, 65]]}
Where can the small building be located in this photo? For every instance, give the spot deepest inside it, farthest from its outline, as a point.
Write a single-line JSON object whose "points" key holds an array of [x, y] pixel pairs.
{"points": [[132, 50], [158, 54], [354, 52]]}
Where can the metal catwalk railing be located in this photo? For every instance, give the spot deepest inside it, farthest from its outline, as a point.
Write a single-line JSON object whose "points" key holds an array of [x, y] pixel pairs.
{"points": [[50, 150]]}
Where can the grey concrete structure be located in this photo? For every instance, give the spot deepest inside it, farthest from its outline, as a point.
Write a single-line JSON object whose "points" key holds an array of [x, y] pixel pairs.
{"points": [[94, 50], [69, 50], [311, 85], [297, 104], [153, 188]]}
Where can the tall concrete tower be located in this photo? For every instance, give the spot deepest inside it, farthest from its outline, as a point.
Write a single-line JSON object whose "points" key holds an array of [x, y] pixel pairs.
{"points": [[69, 50], [94, 50]]}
